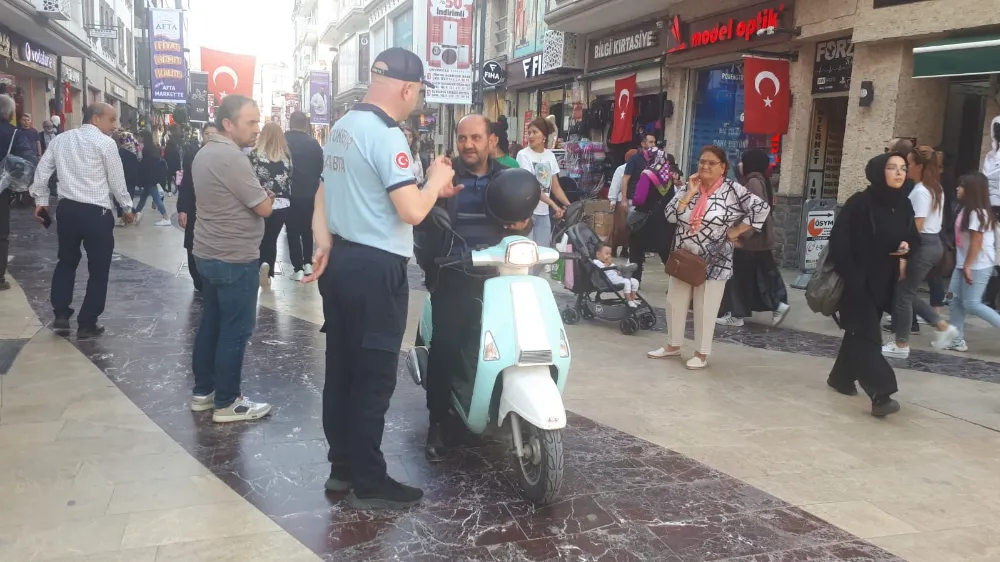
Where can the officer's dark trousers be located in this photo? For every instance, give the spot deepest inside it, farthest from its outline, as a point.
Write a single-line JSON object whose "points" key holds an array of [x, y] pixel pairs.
{"points": [[93, 227], [365, 296], [457, 304]]}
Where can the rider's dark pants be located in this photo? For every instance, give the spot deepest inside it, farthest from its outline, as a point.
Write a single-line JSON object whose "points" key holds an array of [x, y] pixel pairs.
{"points": [[457, 309]]}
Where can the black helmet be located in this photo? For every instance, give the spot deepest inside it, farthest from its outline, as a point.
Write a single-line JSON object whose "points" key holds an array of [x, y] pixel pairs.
{"points": [[512, 196]]}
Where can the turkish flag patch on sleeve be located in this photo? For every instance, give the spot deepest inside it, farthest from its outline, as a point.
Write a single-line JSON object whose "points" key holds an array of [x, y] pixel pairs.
{"points": [[402, 160]]}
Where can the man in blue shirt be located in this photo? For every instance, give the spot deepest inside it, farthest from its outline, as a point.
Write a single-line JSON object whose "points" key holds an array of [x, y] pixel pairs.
{"points": [[364, 231]]}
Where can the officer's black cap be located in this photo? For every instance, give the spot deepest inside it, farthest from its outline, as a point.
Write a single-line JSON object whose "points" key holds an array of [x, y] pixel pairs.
{"points": [[400, 64]]}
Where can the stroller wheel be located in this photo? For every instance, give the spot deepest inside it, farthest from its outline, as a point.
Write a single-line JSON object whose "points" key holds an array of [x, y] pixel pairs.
{"points": [[647, 321], [629, 325], [570, 316]]}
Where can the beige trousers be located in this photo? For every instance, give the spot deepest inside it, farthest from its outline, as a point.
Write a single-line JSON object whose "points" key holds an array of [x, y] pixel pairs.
{"points": [[707, 298]]}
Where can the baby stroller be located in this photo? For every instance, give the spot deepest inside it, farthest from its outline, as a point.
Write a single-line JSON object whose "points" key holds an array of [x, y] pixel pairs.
{"points": [[590, 283], [572, 216]]}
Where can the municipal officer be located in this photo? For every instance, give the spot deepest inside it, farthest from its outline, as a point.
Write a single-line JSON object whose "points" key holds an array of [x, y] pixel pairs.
{"points": [[363, 229]]}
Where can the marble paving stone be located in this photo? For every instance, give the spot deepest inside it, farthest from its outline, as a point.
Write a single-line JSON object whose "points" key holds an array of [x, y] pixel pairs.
{"points": [[264, 547], [971, 544], [861, 518], [133, 555], [623, 498], [49, 541], [9, 349]]}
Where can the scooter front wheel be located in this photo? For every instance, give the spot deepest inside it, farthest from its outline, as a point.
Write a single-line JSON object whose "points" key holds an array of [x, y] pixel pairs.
{"points": [[540, 468]]}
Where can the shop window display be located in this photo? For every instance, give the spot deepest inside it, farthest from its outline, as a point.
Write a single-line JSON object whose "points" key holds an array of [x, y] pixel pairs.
{"points": [[718, 117]]}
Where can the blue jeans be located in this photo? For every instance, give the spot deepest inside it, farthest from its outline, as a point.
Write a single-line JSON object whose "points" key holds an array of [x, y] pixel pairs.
{"points": [[228, 315], [968, 299], [153, 192], [541, 233]]}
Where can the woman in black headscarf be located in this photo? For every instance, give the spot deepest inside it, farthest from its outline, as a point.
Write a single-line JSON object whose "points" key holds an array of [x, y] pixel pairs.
{"points": [[870, 241], [756, 284]]}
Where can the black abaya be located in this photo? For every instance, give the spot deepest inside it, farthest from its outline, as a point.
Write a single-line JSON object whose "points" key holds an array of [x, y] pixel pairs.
{"points": [[756, 285]]}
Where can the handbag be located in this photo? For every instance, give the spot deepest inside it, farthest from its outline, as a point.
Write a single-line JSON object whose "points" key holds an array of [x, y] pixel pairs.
{"points": [[686, 267], [16, 173]]}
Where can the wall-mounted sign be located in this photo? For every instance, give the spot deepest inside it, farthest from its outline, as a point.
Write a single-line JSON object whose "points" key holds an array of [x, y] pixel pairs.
{"points": [[364, 59], [532, 66], [641, 42], [733, 30], [832, 66], [32, 53], [102, 32], [115, 90], [71, 75], [4, 44], [493, 73]]}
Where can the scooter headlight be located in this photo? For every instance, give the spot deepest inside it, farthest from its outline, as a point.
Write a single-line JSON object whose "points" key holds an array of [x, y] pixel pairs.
{"points": [[563, 344], [522, 254]]}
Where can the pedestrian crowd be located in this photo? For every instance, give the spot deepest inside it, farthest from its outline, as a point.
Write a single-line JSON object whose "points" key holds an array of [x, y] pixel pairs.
{"points": [[239, 185]]}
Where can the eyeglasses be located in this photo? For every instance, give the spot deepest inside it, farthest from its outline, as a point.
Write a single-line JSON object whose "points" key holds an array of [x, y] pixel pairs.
{"points": [[708, 163], [897, 169]]}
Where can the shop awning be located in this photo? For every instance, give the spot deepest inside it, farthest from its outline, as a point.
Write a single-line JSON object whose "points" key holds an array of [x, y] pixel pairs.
{"points": [[958, 57]]}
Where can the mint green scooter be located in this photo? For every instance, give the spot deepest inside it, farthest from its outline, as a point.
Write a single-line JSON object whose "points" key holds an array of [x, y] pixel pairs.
{"points": [[523, 362]]}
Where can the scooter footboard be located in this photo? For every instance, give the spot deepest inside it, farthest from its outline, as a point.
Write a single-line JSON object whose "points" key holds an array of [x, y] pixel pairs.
{"points": [[531, 393]]}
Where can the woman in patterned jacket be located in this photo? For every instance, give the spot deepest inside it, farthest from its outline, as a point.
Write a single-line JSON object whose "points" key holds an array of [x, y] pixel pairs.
{"points": [[711, 212], [272, 162]]}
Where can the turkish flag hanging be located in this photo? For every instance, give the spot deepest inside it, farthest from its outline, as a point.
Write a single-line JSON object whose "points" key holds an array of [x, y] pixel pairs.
{"points": [[621, 131], [766, 96], [228, 73]]}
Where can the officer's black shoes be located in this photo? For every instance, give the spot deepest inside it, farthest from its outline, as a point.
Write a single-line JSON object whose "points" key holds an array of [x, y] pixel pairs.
{"points": [[434, 449], [390, 495], [89, 331], [339, 480], [883, 406]]}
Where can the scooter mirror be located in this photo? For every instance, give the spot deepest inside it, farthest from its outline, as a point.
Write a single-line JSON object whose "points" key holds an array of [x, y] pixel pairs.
{"points": [[441, 218]]}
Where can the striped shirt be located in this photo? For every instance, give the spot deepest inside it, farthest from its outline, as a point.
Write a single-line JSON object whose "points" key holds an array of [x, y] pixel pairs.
{"points": [[89, 169]]}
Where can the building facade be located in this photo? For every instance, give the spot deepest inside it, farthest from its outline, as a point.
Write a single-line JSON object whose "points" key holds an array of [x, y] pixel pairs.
{"points": [[862, 72]]}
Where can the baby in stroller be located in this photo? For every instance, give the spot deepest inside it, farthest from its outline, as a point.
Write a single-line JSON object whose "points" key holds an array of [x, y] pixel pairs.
{"points": [[630, 286], [603, 290]]}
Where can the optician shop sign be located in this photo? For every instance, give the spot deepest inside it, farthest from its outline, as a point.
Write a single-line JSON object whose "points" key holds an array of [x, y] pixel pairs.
{"points": [[638, 43], [727, 32]]}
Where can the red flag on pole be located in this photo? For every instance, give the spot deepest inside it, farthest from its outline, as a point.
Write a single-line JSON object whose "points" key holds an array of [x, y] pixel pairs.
{"points": [[228, 73], [766, 96], [621, 131]]}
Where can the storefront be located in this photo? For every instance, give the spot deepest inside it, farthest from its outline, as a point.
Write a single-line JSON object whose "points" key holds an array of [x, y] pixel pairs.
{"points": [[537, 93], [72, 81], [25, 70], [710, 50], [116, 95], [634, 50]]}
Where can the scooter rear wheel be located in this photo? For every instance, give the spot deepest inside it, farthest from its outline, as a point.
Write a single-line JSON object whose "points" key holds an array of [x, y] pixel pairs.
{"points": [[540, 471]]}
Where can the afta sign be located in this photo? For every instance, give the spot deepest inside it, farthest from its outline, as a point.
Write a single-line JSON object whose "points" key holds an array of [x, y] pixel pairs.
{"points": [[720, 29]]}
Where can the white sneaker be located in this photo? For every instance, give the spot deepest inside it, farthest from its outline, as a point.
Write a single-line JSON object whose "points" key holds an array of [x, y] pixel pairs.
{"points": [[265, 278], [729, 320], [138, 218], [241, 410], [119, 222], [633, 304], [958, 345], [297, 276], [202, 403], [892, 350], [943, 339], [308, 269], [163, 222], [778, 316]]}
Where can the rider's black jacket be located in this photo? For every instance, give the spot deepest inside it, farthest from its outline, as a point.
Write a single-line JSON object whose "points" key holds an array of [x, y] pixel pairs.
{"points": [[431, 242]]}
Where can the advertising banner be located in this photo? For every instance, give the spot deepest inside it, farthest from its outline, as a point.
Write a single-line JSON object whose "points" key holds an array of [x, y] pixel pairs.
{"points": [[198, 100], [291, 104], [167, 56], [449, 51], [319, 97], [364, 58], [529, 27]]}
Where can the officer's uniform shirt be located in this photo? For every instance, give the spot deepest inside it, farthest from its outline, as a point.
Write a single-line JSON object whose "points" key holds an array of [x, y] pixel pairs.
{"points": [[366, 157]]}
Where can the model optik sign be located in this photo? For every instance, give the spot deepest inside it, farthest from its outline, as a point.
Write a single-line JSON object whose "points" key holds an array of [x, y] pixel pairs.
{"points": [[715, 31]]}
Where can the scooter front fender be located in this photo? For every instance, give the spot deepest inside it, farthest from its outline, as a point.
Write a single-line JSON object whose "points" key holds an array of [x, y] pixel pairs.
{"points": [[531, 393]]}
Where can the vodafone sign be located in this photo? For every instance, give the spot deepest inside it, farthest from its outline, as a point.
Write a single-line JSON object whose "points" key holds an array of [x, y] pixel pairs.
{"points": [[732, 29]]}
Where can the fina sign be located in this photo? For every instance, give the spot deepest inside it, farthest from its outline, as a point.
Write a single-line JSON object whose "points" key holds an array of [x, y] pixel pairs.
{"points": [[493, 73]]}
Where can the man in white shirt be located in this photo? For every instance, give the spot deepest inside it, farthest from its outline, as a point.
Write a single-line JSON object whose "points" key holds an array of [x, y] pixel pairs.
{"points": [[90, 179]]}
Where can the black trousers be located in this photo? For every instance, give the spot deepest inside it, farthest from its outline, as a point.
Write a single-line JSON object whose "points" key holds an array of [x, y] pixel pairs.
{"points": [[5, 202], [365, 301], [93, 227], [457, 303], [269, 243], [300, 233], [860, 357], [993, 285]]}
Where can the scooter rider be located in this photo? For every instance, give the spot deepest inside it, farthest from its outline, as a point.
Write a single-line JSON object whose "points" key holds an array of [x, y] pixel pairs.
{"points": [[457, 295]]}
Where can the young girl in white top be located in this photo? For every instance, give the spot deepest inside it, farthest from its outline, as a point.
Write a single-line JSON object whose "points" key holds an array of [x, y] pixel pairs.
{"points": [[542, 162], [927, 198], [975, 256]]}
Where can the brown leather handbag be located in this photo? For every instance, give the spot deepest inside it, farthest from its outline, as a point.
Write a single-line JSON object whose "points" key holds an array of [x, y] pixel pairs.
{"points": [[686, 267]]}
